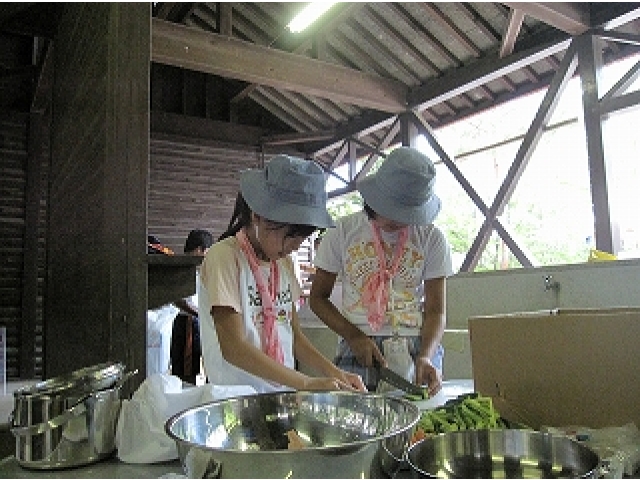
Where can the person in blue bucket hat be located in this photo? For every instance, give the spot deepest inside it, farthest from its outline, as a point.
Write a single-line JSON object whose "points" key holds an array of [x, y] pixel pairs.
{"points": [[250, 332], [393, 263]]}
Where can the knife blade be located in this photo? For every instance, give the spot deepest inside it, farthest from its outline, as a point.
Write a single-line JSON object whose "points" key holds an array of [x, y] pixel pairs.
{"points": [[399, 381]]}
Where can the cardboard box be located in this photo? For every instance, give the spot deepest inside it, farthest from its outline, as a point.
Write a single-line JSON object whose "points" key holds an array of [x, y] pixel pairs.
{"points": [[560, 367]]}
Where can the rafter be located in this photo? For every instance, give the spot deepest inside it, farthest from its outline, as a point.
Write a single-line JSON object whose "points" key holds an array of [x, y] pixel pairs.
{"points": [[441, 89], [569, 17], [192, 49], [516, 17]]}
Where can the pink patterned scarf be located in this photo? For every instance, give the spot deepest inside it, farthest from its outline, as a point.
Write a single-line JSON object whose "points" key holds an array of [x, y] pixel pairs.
{"points": [[376, 288], [269, 339]]}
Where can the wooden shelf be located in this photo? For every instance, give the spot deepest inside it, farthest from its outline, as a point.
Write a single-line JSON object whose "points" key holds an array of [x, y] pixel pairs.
{"points": [[170, 277]]}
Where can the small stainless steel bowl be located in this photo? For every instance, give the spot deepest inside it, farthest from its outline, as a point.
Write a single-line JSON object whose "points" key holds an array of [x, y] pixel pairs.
{"points": [[244, 437], [508, 453]]}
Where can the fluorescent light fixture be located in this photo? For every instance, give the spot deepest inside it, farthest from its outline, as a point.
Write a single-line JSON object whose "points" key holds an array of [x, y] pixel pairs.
{"points": [[308, 15]]}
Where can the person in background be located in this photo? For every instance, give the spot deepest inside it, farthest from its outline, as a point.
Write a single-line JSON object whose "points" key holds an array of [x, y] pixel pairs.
{"points": [[154, 246], [393, 263], [250, 331], [185, 350]]}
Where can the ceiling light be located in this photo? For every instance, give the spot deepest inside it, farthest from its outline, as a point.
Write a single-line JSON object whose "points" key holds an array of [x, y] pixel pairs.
{"points": [[308, 15]]}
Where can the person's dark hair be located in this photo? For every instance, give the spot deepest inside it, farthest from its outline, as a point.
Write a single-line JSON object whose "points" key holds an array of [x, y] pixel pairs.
{"points": [[198, 238], [241, 218], [371, 214]]}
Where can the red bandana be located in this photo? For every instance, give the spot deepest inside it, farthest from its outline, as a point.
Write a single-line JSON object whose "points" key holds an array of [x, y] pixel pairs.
{"points": [[269, 339], [376, 288]]}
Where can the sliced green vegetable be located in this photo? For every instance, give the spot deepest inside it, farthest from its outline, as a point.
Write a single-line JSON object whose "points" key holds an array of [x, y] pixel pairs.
{"points": [[465, 412]]}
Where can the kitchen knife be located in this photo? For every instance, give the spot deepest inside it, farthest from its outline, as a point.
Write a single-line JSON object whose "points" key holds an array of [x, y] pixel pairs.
{"points": [[399, 381]]}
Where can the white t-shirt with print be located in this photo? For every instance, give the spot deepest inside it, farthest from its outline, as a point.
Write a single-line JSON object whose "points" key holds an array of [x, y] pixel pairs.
{"points": [[348, 251], [227, 280]]}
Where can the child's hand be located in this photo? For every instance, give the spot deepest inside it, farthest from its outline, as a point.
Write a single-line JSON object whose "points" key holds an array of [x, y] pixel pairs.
{"points": [[354, 380], [326, 383]]}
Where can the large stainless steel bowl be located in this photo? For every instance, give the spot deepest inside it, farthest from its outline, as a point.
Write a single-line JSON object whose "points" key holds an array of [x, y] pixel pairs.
{"points": [[509, 453], [244, 437]]}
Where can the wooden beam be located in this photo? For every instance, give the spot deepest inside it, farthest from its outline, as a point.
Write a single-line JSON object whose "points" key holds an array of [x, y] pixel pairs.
{"points": [[479, 73], [389, 136], [627, 101], [310, 40], [629, 38], [622, 84], [301, 137], [225, 19], [449, 26], [196, 127], [590, 63], [367, 123], [561, 78], [516, 17], [615, 18], [426, 130], [190, 48], [569, 17]]}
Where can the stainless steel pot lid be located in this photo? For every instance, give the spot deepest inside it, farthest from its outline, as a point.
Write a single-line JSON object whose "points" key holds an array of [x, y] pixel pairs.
{"points": [[84, 380]]}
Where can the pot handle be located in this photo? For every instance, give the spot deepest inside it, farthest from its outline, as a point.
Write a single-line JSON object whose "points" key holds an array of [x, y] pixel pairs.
{"points": [[56, 422], [125, 377]]}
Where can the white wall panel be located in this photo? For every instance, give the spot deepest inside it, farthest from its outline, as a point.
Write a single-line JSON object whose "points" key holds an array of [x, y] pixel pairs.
{"points": [[588, 285]]}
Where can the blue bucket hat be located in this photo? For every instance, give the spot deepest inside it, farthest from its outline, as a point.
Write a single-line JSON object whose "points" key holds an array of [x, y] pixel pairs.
{"points": [[402, 188], [288, 190]]}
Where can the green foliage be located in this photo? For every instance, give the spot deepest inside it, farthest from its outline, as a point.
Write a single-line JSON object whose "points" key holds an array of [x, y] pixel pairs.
{"points": [[345, 205]]}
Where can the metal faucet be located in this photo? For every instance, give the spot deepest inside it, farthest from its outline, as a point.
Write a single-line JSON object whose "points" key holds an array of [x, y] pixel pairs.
{"points": [[550, 284]]}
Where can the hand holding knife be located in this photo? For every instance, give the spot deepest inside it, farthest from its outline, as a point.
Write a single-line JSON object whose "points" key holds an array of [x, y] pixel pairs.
{"points": [[398, 381]]}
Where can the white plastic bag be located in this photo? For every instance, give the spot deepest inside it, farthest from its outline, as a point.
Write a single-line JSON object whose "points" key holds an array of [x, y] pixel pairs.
{"points": [[140, 435], [159, 326]]}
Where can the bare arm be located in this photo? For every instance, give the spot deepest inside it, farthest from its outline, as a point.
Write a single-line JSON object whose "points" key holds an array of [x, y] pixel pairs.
{"points": [[308, 354], [433, 325], [362, 346], [243, 354]]}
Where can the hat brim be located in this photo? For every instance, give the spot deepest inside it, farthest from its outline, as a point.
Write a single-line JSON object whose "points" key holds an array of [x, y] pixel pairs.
{"points": [[253, 186], [385, 205]]}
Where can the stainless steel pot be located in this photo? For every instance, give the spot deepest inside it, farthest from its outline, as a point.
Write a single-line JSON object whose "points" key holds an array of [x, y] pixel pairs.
{"points": [[509, 453], [68, 421], [248, 437]]}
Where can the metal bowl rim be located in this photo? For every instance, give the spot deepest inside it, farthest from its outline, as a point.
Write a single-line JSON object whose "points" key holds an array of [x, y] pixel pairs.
{"points": [[174, 418]]}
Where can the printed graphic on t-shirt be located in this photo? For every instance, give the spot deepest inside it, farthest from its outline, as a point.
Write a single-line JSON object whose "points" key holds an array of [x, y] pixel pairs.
{"points": [[403, 308], [282, 304]]}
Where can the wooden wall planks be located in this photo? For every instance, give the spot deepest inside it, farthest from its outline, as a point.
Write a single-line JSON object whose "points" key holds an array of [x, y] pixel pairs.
{"points": [[23, 237], [193, 186]]}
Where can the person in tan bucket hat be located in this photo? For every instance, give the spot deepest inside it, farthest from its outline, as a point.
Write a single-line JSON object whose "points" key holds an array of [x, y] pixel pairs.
{"points": [[393, 263], [250, 331]]}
